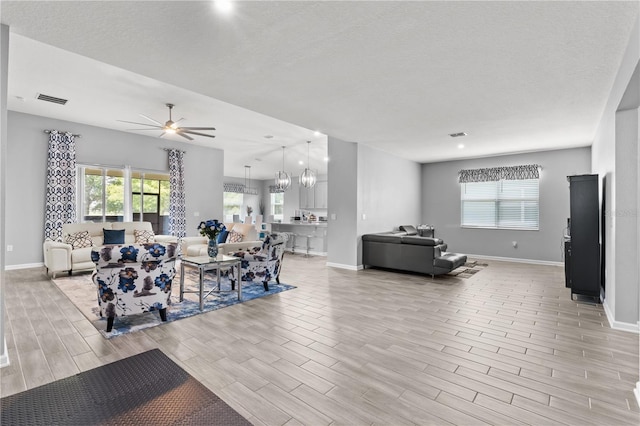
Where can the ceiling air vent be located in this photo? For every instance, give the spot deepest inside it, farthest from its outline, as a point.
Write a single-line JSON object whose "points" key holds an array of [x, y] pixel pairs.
{"points": [[52, 99], [457, 135]]}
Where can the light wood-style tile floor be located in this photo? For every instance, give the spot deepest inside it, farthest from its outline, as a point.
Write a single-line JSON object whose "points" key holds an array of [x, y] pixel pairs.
{"points": [[506, 346]]}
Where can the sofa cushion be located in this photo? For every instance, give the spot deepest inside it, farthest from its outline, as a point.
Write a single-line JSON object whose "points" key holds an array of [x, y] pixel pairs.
{"points": [[82, 255], [421, 241], [234, 237], [79, 240], [449, 261], [142, 236], [113, 236], [383, 238], [222, 236], [409, 229]]}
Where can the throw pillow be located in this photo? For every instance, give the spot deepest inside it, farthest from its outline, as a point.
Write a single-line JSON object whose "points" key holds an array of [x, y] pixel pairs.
{"points": [[79, 240], [222, 236], [113, 236], [234, 237], [144, 236]]}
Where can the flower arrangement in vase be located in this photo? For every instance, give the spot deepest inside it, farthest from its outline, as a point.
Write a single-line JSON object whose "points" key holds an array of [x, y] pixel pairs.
{"points": [[211, 229]]}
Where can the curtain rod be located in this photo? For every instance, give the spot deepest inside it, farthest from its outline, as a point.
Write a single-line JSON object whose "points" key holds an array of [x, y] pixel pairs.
{"points": [[76, 136], [174, 149]]}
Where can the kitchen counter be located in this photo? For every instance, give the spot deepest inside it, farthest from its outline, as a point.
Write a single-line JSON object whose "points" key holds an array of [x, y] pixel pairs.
{"points": [[302, 223], [306, 237]]}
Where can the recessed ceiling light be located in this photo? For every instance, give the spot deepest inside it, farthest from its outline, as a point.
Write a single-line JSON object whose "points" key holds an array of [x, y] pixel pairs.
{"points": [[326, 158], [460, 146], [301, 162], [457, 135], [224, 6], [316, 133]]}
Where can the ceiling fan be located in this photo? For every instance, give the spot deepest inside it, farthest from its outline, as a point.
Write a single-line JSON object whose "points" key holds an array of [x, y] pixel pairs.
{"points": [[172, 126]]}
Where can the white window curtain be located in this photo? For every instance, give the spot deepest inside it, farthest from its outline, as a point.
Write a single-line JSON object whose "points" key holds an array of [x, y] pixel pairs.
{"points": [[61, 184], [128, 196], [177, 207]]}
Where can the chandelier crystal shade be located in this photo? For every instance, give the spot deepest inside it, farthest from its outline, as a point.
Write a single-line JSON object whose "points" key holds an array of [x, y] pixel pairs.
{"points": [[308, 177], [283, 179]]}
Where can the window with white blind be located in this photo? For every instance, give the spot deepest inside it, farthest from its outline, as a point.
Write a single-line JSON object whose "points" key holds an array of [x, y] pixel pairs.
{"points": [[502, 204]]}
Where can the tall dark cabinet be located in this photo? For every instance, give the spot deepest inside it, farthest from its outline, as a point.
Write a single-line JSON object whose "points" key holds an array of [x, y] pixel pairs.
{"points": [[582, 247]]}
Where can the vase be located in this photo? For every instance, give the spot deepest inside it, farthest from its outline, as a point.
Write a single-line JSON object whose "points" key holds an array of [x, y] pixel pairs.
{"points": [[212, 248]]}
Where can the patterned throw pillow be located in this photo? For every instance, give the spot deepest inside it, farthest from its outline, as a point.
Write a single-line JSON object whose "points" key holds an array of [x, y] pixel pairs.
{"points": [[144, 237], [234, 237], [79, 240]]}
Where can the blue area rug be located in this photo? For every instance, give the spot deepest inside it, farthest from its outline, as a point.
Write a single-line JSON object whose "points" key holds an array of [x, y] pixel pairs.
{"points": [[81, 291]]}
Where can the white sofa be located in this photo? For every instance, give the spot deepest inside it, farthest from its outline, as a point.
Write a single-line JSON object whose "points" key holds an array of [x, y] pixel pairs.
{"points": [[61, 256], [197, 246]]}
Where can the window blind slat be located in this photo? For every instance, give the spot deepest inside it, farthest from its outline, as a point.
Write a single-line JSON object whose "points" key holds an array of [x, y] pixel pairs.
{"points": [[508, 204]]}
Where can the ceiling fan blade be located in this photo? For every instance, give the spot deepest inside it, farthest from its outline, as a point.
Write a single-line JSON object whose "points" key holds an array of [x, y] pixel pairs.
{"points": [[198, 128], [163, 133], [181, 130], [154, 129], [184, 136], [140, 124], [151, 120]]}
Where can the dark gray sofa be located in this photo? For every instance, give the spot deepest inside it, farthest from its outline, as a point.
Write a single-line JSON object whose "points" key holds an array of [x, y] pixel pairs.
{"points": [[404, 250]]}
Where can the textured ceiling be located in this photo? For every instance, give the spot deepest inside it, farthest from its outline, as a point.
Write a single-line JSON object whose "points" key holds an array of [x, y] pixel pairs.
{"points": [[398, 76]]}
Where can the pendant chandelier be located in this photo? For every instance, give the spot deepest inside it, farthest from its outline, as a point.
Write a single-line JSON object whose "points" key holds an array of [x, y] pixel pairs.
{"points": [[247, 188], [283, 179], [308, 176]]}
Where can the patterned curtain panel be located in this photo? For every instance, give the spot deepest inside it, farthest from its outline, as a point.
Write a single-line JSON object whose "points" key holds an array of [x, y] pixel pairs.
{"points": [[61, 184], [177, 208], [234, 187], [493, 174]]}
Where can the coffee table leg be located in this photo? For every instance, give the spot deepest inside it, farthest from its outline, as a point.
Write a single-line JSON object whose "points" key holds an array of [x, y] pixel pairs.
{"points": [[201, 287], [181, 281], [239, 281]]}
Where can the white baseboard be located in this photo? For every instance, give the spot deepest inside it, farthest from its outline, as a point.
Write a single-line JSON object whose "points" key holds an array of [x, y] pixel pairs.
{"points": [[619, 325], [303, 252], [515, 259], [23, 266], [342, 266], [4, 358]]}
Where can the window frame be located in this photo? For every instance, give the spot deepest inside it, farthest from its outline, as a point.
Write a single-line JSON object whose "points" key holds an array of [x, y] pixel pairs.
{"points": [[497, 199]]}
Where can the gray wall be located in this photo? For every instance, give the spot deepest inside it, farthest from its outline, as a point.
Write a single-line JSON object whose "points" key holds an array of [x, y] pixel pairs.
{"points": [[369, 191], [342, 202], [4, 67], [441, 205], [389, 192], [626, 214], [27, 160], [612, 158]]}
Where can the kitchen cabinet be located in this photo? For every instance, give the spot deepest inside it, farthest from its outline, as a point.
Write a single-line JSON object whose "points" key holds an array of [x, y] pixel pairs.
{"points": [[314, 198]]}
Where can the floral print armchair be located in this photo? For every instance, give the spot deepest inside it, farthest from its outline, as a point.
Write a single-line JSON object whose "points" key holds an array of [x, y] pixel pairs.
{"points": [[134, 278], [263, 263]]}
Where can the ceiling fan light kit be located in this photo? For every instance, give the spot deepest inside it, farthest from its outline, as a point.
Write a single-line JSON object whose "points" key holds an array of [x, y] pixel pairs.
{"points": [[308, 177], [172, 126], [283, 179]]}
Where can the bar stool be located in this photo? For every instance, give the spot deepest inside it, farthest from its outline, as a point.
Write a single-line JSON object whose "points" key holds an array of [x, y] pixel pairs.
{"points": [[308, 236]]}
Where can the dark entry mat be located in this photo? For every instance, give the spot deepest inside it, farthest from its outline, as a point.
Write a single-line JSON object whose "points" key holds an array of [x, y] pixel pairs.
{"points": [[144, 389]]}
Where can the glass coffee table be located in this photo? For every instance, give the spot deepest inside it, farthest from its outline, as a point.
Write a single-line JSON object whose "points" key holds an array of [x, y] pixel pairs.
{"points": [[204, 264]]}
